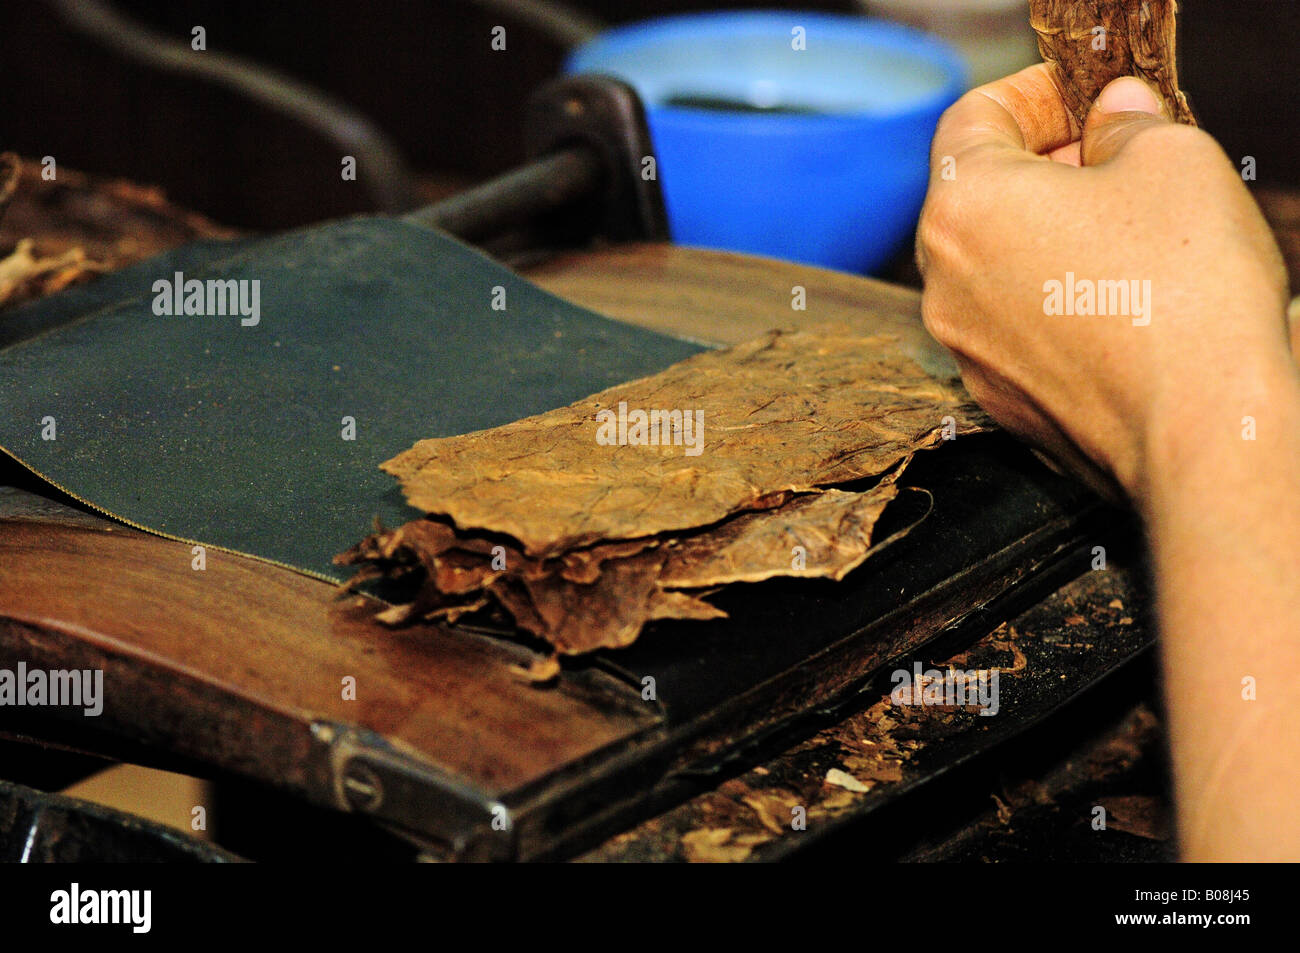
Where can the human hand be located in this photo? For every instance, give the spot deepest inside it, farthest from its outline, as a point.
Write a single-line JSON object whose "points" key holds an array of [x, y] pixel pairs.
{"points": [[1030, 223]]}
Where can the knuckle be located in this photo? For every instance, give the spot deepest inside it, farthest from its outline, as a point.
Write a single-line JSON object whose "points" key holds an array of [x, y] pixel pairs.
{"points": [[939, 229], [951, 231]]}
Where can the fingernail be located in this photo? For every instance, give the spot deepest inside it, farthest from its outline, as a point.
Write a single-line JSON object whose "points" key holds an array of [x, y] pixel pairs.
{"points": [[1128, 94]]}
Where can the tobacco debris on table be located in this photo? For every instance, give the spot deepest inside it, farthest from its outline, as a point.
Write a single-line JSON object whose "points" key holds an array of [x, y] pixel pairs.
{"points": [[113, 222], [58, 232], [799, 439], [26, 276], [1091, 42]]}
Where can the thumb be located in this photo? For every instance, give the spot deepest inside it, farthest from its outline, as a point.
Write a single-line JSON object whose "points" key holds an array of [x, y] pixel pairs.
{"points": [[1125, 107]]}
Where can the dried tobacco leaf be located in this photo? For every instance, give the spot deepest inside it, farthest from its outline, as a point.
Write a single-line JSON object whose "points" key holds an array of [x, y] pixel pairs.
{"points": [[583, 542], [25, 277], [1091, 42], [1138, 814], [754, 425], [602, 596], [714, 846], [824, 534]]}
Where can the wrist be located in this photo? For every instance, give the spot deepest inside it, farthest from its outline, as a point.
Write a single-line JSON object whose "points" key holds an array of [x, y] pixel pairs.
{"points": [[1217, 432]]}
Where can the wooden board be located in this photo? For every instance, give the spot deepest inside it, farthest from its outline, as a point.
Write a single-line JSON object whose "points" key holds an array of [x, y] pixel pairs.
{"points": [[719, 297]]}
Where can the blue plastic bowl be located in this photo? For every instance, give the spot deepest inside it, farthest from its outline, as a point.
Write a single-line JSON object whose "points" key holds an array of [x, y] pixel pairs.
{"points": [[816, 155]]}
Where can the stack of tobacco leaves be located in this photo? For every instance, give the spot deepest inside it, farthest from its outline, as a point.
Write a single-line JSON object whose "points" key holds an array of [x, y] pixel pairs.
{"points": [[773, 458]]}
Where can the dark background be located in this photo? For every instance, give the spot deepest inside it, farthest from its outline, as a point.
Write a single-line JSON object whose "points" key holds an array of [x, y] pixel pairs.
{"points": [[424, 72]]}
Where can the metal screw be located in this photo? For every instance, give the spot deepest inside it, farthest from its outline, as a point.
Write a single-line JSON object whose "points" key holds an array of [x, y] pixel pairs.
{"points": [[361, 787]]}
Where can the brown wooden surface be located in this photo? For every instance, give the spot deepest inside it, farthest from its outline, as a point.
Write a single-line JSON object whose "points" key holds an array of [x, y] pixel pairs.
{"points": [[281, 642], [723, 298]]}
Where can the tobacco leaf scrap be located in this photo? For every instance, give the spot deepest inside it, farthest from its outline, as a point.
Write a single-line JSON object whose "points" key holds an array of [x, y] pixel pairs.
{"points": [[717, 846], [582, 543], [25, 276], [114, 223], [1091, 42], [1139, 815]]}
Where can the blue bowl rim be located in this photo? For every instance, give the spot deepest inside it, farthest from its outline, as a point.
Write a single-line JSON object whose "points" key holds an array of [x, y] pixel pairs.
{"points": [[881, 33]]}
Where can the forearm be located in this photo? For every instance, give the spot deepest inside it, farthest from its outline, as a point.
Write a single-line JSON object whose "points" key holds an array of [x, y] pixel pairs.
{"points": [[1223, 513]]}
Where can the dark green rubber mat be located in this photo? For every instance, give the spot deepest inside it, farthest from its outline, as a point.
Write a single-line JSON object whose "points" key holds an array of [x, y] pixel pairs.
{"points": [[205, 428]]}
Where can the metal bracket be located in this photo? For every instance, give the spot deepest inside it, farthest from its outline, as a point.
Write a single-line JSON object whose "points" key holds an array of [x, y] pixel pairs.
{"points": [[604, 115], [371, 777], [590, 176]]}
